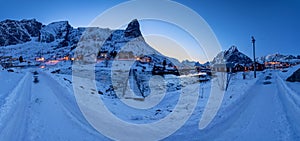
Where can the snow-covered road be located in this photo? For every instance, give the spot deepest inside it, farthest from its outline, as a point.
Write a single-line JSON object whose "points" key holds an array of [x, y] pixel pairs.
{"points": [[261, 116], [13, 112], [48, 111], [42, 111]]}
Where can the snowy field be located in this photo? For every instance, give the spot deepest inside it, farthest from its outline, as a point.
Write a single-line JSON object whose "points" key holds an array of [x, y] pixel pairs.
{"points": [[47, 110]]}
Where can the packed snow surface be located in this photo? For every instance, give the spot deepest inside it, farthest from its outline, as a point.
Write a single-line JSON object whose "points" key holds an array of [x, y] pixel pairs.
{"points": [[251, 109]]}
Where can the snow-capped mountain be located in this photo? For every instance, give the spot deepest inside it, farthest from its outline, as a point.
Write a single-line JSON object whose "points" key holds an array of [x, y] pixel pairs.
{"points": [[232, 55], [31, 39], [119, 44]]}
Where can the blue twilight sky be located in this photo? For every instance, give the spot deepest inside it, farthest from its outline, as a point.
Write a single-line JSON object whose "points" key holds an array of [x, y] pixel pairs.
{"points": [[274, 23]]}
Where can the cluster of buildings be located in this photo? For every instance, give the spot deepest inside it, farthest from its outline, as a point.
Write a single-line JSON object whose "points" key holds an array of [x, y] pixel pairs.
{"points": [[235, 67], [9, 61], [281, 64]]}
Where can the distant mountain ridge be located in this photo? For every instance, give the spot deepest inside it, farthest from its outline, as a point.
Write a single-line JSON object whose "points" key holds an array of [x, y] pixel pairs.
{"points": [[60, 39], [278, 58]]}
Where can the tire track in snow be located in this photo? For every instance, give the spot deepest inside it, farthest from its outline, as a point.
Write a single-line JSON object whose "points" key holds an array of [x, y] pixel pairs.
{"points": [[233, 115], [40, 112], [263, 118], [13, 118], [68, 103], [10, 83], [259, 116], [288, 99]]}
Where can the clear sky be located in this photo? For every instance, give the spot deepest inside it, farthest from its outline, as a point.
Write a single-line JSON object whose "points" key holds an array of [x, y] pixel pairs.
{"points": [[274, 23]]}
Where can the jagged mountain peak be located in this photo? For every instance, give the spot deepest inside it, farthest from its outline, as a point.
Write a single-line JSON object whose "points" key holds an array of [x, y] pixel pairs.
{"points": [[133, 29], [233, 49]]}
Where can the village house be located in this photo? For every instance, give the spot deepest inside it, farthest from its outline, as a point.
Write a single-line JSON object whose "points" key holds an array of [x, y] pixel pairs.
{"points": [[259, 67]]}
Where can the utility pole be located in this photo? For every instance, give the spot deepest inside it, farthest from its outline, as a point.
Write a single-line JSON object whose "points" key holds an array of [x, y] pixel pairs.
{"points": [[253, 43]]}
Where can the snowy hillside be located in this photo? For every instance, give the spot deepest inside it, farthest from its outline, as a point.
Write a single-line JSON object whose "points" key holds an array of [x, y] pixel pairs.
{"points": [[47, 110]]}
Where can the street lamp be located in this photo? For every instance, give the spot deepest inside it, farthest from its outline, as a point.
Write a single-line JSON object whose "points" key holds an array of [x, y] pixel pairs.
{"points": [[253, 43]]}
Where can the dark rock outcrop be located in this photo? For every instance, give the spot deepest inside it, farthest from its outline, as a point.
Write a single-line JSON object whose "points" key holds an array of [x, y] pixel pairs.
{"points": [[295, 77]]}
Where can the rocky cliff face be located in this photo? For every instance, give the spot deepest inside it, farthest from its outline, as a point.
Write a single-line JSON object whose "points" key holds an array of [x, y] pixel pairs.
{"points": [[55, 31], [61, 32], [14, 32]]}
